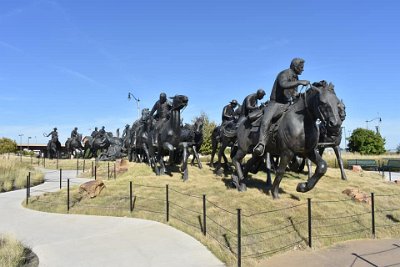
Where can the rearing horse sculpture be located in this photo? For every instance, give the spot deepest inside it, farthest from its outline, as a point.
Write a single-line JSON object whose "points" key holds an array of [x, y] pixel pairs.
{"points": [[168, 138], [296, 134]]}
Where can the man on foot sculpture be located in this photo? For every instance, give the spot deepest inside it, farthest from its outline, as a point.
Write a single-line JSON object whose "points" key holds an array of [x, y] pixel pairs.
{"points": [[284, 92]]}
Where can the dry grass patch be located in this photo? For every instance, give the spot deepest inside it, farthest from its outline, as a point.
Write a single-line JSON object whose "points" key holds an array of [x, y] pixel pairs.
{"points": [[14, 254], [13, 174]]}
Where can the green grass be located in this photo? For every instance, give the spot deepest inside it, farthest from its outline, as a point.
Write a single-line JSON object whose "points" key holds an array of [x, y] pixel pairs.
{"points": [[13, 253], [13, 174], [268, 226]]}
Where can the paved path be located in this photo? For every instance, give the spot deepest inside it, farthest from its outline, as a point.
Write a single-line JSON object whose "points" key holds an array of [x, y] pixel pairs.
{"points": [[358, 253], [79, 240]]}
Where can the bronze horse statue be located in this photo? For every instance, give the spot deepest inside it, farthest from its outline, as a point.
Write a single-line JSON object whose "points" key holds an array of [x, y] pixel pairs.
{"points": [[193, 136], [294, 133], [138, 150], [74, 146], [169, 138], [328, 138]]}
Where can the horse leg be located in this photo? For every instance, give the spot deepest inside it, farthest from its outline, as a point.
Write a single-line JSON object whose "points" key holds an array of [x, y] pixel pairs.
{"points": [[309, 167], [320, 170], [214, 145], [283, 162], [218, 163], [340, 161], [268, 167], [196, 155], [237, 179], [184, 167], [146, 152]]}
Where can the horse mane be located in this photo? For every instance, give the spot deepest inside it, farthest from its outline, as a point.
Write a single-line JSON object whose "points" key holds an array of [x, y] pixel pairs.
{"points": [[325, 85]]}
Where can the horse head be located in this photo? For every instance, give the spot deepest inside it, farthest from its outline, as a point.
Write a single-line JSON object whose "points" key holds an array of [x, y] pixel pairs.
{"points": [[198, 125], [326, 106], [179, 102]]}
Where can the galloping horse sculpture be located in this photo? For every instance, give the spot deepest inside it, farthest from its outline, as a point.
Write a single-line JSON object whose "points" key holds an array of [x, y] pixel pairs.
{"points": [[295, 134], [193, 136], [168, 138], [74, 145], [138, 150], [329, 138]]}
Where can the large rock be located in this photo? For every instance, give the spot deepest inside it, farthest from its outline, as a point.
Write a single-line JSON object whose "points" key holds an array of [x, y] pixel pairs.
{"points": [[357, 195], [357, 168], [92, 188]]}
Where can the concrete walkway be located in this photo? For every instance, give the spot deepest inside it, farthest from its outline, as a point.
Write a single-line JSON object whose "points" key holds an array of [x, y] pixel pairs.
{"points": [[356, 253], [79, 240]]}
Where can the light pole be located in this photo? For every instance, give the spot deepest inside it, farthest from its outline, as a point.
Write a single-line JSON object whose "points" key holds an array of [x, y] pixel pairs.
{"points": [[377, 118], [20, 145], [137, 102], [28, 141]]}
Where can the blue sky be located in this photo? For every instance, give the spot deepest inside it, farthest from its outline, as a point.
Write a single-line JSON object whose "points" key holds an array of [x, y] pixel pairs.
{"points": [[72, 63]]}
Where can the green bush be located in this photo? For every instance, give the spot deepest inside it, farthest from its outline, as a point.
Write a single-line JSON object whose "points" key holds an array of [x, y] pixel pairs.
{"points": [[7, 145], [366, 142]]}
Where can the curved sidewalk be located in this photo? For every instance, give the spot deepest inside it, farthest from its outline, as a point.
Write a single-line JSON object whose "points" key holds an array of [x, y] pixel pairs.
{"points": [[79, 240]]}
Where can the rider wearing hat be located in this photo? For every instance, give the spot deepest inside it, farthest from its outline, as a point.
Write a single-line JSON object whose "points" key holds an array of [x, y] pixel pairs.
{"points": [[284, 91], [228, 112]]}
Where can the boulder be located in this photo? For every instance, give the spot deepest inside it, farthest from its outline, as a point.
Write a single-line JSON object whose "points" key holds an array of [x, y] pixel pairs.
{"points": [[357, 168], [92, 188], [357, 195]]}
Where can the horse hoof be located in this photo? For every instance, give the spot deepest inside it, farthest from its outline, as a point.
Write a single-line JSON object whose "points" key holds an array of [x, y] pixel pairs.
{"points": [[302, 187], [243, 187], [219, 172]]}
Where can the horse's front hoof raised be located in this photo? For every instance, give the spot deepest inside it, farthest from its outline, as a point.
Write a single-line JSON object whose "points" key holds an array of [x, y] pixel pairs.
{"points": [[302, 187]]}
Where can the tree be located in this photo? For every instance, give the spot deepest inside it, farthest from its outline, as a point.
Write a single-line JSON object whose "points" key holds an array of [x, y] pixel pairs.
{"points": [[7, 145], [366, 142], [398, 149], [208, 128]]}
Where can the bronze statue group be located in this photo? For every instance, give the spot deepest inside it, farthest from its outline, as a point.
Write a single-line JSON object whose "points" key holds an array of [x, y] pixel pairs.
{"points": [[290, 125]]}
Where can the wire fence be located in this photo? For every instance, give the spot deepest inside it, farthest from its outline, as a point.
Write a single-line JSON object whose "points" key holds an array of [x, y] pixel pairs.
{"points": [[242, 235]]}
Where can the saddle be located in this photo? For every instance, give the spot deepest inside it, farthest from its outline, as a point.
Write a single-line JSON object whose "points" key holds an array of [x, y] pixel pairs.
{"points": [[229, 129]]}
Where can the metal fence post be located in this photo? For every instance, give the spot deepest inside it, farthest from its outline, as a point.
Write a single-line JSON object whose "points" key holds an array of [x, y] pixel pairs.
{"points": [[27, 190], [204, 216], [77, 166], [60, 178], [95, 172], [29, 182], [373, 214], [131, 196], [239, 238], [309, 223], [167, 202], [83, 168], [68, 195]]}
